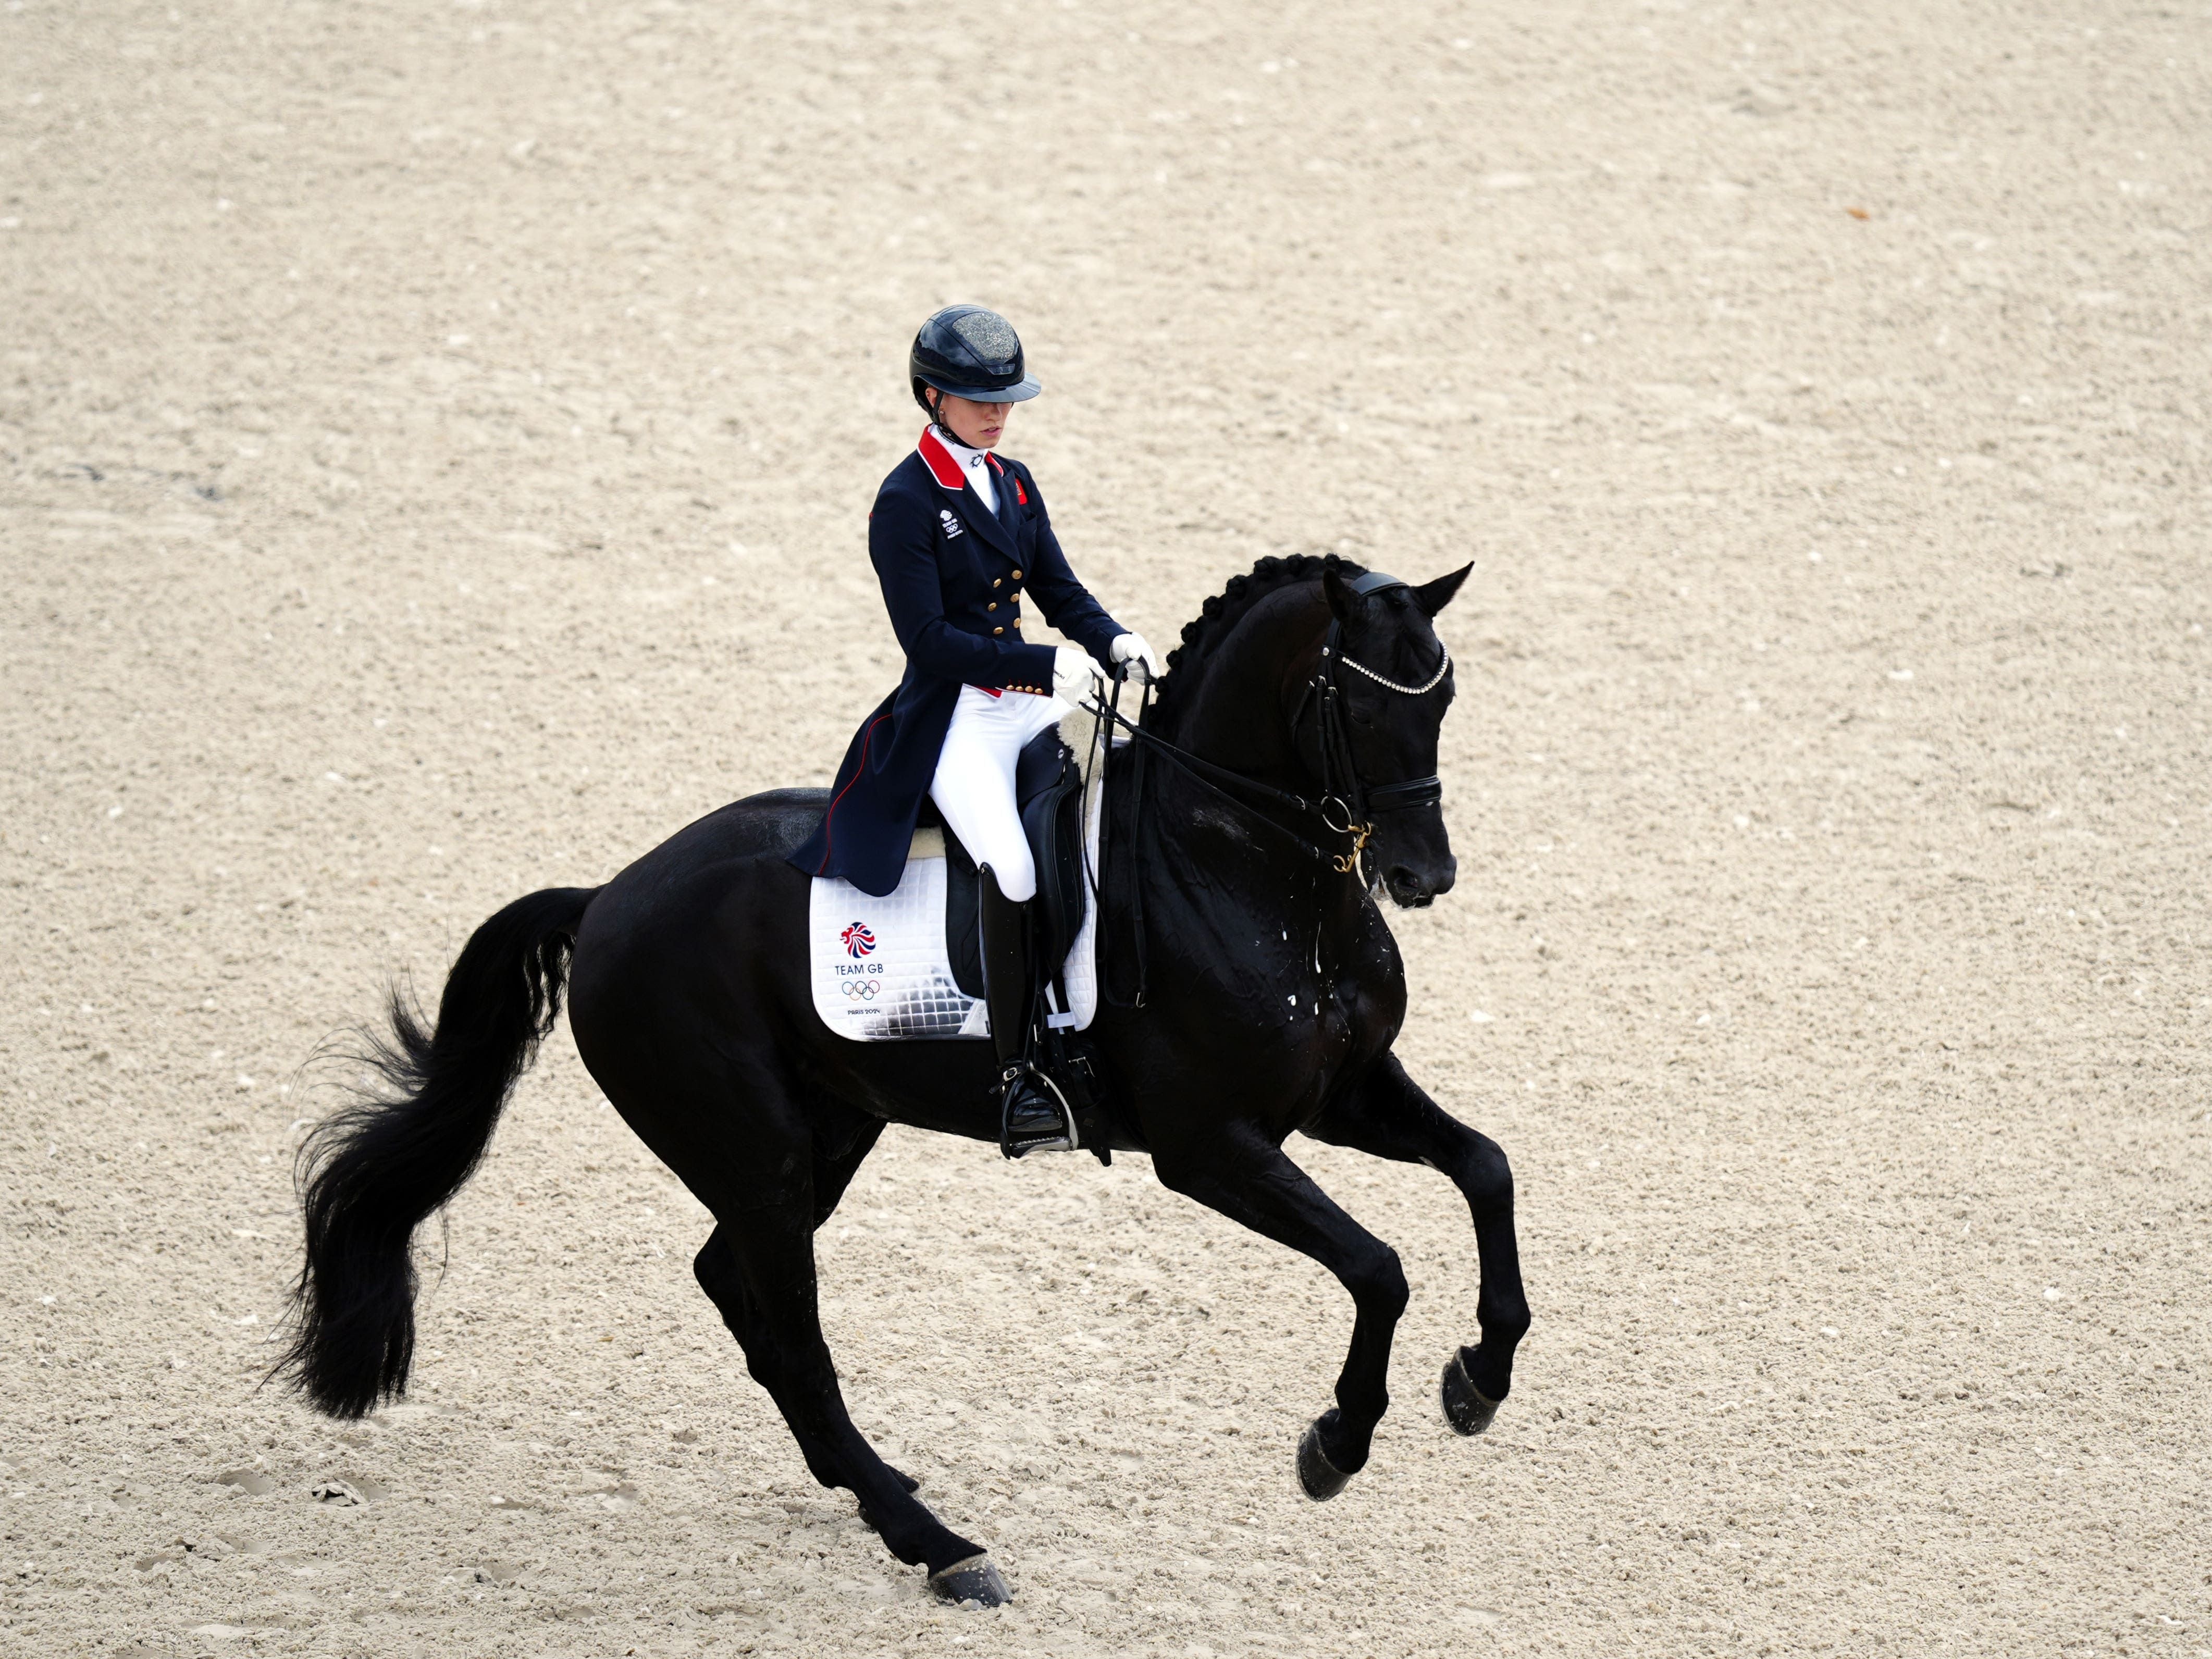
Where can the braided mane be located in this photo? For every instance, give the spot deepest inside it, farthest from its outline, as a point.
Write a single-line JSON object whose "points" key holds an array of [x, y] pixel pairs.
{"points": [[1221, 613]]}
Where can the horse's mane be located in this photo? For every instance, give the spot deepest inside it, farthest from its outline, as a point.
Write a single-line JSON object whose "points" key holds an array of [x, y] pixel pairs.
{"points": [[1205, 631]]}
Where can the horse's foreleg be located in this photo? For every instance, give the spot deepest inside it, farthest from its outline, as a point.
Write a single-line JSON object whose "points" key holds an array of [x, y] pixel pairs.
{"points": [[1387, 1114], [1249, 1181]]}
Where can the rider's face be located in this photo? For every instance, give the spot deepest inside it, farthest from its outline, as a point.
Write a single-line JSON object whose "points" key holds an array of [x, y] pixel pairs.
{"points": [[979, 425]]}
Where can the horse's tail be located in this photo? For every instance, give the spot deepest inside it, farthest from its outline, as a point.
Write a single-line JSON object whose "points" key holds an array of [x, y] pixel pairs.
{"points": [[372, 1172]]}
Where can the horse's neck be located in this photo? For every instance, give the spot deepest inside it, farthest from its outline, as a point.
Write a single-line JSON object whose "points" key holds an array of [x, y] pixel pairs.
{"points": [[1235, 717]]}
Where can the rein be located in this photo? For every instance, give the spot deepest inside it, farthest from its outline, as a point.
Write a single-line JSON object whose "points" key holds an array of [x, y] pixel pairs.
{"points": [[1224, 782], [1344, 795]]}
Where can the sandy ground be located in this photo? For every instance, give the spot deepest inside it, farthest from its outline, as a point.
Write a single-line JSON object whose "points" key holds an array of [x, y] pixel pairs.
{"points": [[435, 441]]}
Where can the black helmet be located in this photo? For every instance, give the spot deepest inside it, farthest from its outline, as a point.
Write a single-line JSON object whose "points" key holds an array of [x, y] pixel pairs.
{"points": [[970, 352]]}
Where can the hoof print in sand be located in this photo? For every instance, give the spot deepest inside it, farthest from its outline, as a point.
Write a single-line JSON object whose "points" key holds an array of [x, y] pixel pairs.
{"points": [[347, 1490], [617, 1494]]}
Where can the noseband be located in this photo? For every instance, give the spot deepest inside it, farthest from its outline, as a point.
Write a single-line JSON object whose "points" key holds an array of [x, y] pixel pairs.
{"points": [[1345, 796]]}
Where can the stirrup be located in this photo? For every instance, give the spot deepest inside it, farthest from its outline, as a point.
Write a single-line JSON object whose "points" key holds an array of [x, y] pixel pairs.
{"points": [[1061, 1138]]}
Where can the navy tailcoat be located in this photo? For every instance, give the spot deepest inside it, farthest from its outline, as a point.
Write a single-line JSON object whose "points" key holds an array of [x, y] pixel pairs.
{"points": [[953, 575]]}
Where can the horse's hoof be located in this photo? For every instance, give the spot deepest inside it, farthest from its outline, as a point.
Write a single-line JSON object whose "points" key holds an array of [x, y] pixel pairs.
{"points": [[1466, 1408], [1321, 1478], [972, 1580]]}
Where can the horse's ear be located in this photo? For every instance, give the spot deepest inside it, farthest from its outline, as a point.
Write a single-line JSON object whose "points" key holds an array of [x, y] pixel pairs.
{"points": [[1433, 597], [1341, 601]]}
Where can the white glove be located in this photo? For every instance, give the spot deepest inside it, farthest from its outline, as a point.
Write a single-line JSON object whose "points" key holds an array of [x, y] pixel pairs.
{"points": [[1074, 673], [1131, 648]]}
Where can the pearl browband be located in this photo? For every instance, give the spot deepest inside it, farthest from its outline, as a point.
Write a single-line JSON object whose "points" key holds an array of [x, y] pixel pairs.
{"points": [[1435, 679]]}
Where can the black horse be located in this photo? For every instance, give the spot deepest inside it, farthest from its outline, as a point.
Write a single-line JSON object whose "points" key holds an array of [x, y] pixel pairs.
{"points": [[1272, 991]]}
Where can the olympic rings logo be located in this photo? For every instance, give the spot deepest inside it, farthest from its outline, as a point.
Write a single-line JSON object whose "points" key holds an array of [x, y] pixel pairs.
{"points": [[861, 987]]}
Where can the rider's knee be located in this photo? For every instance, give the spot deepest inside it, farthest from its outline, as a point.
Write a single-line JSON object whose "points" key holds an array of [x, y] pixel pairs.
{"points": [[1016, 873]]}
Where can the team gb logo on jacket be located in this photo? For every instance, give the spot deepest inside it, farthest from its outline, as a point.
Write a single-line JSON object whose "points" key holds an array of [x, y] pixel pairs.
{"points": [[953, 525]]}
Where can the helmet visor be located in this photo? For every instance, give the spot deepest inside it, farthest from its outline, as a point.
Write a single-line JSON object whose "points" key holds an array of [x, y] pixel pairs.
{"points": [[1020, 392]]}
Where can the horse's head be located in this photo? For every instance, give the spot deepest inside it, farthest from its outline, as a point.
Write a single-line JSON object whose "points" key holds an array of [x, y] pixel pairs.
{"points": [[1394, 684]]}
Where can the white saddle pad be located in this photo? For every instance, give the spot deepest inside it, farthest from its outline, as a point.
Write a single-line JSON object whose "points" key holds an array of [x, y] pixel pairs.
{"points": [[881, 969]]}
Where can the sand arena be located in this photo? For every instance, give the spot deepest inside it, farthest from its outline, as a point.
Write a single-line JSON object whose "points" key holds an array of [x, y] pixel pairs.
{"points": [[434, 445]]}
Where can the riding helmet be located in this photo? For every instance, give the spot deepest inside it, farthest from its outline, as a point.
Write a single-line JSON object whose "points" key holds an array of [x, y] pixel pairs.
{"points": [[967, 351]]}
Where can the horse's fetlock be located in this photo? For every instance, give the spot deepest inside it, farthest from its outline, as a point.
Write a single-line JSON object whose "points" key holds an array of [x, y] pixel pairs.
{"points": [[1503, 1327]]}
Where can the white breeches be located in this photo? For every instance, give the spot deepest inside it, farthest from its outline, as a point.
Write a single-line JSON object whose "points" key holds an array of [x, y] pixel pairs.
{"points": [[975, 783]]}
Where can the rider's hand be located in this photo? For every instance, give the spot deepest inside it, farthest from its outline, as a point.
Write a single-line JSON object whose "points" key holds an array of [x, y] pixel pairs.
{"points": [[1074, 673], [1131, 648]]}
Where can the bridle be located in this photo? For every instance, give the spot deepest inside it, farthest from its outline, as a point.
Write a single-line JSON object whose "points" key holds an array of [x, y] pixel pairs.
{"points": [[1343, 790], [1348, 806]]}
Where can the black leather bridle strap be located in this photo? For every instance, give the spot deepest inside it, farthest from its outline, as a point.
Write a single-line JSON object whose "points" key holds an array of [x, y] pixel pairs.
{"points": [[1402, 797], [1136, 840]]}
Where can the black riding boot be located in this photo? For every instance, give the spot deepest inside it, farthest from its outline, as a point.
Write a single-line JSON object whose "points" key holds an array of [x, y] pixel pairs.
{"points": [[1034, 1120]]}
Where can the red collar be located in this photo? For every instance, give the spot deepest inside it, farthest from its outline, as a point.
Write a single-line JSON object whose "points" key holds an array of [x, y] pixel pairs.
{"points": [[942, 467], [938, 460]]}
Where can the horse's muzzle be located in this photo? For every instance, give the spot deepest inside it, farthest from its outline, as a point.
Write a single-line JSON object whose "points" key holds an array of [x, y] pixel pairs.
{"points": [[1410, 889]]}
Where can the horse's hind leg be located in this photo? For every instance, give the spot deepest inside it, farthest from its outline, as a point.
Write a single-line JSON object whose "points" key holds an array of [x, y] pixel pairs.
{"points": [[1247, 1180], [772, 1249], [719, 1276], [1387, 1114], [833, 1171]]}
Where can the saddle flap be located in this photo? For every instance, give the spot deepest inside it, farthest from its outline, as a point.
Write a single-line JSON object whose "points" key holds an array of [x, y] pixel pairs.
{"points": [[963, 898], [1050, 785]]}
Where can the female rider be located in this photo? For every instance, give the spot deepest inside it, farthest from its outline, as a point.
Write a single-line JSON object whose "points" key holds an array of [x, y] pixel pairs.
{"points": [[957, 533]]}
